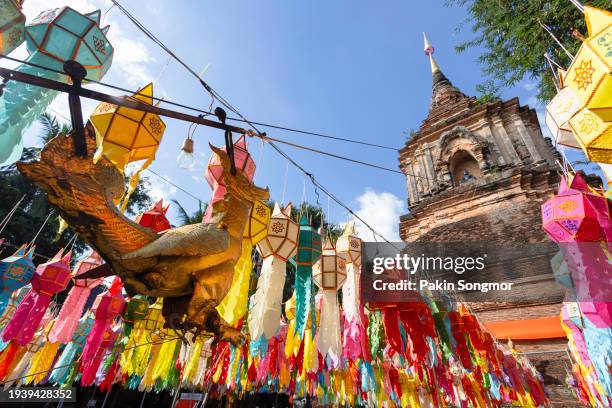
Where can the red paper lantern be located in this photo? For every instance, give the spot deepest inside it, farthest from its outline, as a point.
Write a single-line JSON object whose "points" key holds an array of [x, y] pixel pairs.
{"points": [[155, 218]]}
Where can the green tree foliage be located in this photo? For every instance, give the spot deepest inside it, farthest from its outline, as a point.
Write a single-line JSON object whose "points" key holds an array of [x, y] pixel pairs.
{"points": [[514, 41], [185, 218], [35, 208]]}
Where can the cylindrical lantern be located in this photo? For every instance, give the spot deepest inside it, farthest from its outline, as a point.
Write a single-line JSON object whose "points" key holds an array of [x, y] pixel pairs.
{"points": [[72, 308], [48, 279], [12, 25], [309, 251], [155, 218], [125, 135], [276, 248], [329, 274], [54, 37], [234, 305], [16, 272]]}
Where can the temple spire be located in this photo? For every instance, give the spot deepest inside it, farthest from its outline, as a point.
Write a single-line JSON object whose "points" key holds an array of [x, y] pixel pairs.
{"points": [[429, 50], [443, 89]]}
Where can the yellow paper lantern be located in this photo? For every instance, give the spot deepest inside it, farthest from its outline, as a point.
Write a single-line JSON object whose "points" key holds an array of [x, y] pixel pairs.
{"points": [[125, 135], [594, 135], [561, 108], [281, 240], [590, 74], [257, 225], [349, 245]]}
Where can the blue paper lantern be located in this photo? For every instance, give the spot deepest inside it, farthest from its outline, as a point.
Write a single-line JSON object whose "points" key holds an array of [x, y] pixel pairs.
{"points": [[16, 271], [52, 38]]}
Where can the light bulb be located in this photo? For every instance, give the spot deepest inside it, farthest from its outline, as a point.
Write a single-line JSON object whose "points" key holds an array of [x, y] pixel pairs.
{"points": [[186, 159]]}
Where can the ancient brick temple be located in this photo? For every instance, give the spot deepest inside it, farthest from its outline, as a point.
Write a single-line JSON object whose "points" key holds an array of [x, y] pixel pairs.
{"points": [[479, 172]]}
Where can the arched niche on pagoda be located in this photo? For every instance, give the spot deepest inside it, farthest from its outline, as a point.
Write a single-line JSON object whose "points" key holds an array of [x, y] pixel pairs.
{"points": [[461, 151]]}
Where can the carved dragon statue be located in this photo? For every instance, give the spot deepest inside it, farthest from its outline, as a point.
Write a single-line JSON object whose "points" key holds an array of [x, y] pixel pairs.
{"points": [[191, 267]]}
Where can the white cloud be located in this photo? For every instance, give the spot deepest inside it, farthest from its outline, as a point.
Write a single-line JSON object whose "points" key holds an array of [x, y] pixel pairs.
{"points": [[382, 212], [160, 188]]}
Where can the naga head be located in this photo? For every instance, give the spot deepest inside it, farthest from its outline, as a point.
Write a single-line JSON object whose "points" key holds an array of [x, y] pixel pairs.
{"points": [[238, 184]]}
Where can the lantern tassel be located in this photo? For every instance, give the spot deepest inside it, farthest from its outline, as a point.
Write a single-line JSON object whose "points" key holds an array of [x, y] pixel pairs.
{"points": [[68, 318], [303, 293], [5, 298], [329, 327], [264, 319]]}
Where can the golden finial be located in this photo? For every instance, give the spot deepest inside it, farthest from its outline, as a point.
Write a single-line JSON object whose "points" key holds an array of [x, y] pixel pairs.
{"points": [[429, 50]]}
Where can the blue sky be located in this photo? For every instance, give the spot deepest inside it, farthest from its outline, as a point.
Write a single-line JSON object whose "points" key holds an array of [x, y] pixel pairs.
{"points": [[353, 69]]}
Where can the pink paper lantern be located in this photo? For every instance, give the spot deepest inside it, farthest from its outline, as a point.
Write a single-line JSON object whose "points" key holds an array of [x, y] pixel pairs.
{"points": [[242, 160], [49, 278], [576, 214]]}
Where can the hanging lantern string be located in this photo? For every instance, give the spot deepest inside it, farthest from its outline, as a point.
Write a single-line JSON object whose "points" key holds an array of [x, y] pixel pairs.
{"points": [[72, 241], [556, 79], [578, 5], [87, 360], [31, 244], [554, 37], [285, 183], [201, 111], [10, 214]]}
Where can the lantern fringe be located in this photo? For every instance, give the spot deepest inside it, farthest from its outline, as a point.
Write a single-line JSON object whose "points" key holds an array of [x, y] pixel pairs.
{"points": [[7, 358], [303, 293]]}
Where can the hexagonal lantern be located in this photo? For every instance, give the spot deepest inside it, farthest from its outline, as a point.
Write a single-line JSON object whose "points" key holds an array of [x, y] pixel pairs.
{"points": [[282, 237], [111, 303], [559, 111], [155, 218], [590, 74], [84, 265], [12, 25], [52, 277], [65, 34], [309, 244], [576, 213], [257, 224], [349, 245], [330, 272], [16, 272], [242, 159]]}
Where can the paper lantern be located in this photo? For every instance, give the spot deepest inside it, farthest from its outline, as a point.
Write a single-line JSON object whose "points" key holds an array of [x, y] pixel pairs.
{"points": [[12, 26], [106, 307], [53, 38], [155, 218], [559, 110], [214, 171], [281, 241], [575, 213], [126, 135], [276, 248], [48, 279], [74, 347], [135, 310], [234, 305], [309, 251], [16, 272], [242, 160], [590, 74], [329, 274], [72, 308], [593, 135]]}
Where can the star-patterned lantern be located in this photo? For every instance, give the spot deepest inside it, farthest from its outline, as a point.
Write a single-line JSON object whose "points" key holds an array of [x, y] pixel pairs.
{"points": [[12, 25], [576, 214], [72, 308], [155, 218], [125, 135], [16, 272], [276, 248], [329, 274], [136, 310], [559, 111], [593, 135], [590, 74], [49, 278], [53, 38], [234, 305], [309, 251]]}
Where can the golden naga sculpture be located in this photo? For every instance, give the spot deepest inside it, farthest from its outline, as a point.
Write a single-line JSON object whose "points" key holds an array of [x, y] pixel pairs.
{"points": [[191, 267]]}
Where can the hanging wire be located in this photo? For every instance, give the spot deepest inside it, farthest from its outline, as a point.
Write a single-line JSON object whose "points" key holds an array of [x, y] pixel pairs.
{"points": [[285, 186], [578, 5], [545, 27], [10, 214], [556, 79], [31, 244]]}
